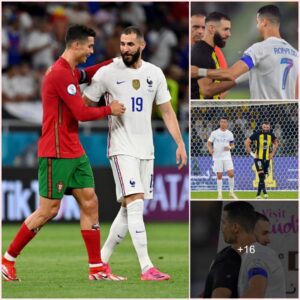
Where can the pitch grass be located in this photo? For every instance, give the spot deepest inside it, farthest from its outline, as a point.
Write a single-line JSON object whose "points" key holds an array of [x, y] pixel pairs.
{"points": [[244, 195], [54, 264]]}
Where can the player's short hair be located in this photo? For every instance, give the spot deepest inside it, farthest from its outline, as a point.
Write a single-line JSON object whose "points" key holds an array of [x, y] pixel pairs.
{"points": [[265, 123], [78, 32], [198, 14], [271, 12], [242, 213], [223, 118], [260, 216], [134, 29], [216, 17]]}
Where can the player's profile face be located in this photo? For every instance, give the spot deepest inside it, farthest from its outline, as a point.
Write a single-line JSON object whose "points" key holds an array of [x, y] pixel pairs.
{"points": [[227, 229], [262, 232], [197, 28], [259, 24], [85, 48]]}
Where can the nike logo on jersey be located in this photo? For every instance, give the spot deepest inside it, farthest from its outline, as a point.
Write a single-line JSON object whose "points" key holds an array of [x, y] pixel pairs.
{"points": [[140, 231], [119, 82]]}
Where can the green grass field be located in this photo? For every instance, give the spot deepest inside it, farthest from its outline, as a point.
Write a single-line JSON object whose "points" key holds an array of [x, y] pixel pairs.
{"points": [[244, 195], [54, 264]]}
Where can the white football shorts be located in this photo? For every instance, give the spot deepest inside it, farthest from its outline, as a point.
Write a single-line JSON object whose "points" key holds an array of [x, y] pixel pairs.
{"points": [[221, 166], [132, 176]]}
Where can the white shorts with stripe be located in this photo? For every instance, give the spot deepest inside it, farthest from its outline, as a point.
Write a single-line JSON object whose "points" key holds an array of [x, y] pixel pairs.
{"points": [[221, 166], [132, 176]]}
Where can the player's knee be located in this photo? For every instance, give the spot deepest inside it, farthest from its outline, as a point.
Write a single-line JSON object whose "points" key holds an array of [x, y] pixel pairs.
{"points": [[53, 212], [90, 201], [48, 213], [261, 176], [230, 174]]}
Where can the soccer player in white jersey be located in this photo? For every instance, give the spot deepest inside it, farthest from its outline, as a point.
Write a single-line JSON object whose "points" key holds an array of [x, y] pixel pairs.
{"points": [[261, 273], [272, 63], [137, 84], [220, 144]]}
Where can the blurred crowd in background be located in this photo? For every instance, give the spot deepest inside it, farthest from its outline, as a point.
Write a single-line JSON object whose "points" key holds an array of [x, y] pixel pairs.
{"points": [[243, 121], [33, 38]]}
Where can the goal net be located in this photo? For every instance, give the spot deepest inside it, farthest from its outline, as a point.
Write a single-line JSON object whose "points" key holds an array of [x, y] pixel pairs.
{"points": [[244, 117]]}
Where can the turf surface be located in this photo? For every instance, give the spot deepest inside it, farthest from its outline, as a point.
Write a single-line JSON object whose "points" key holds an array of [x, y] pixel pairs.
{"points": [[244, 195], [54, 264]]}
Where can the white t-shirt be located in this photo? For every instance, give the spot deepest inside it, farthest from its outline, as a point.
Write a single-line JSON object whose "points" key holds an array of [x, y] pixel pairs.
{"points": [[130, 134], [44, 57], [220, 140], [265, 262], [273, 65]]}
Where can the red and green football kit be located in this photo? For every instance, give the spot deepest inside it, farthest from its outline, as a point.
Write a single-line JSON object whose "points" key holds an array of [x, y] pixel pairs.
{"points": [[63, 164]]}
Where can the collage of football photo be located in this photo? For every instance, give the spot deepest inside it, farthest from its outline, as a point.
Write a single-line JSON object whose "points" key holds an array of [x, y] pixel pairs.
{"points": [[150, 141]]}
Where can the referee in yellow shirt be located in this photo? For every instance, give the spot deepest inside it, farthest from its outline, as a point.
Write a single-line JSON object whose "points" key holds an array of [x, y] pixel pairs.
{"points": [[266, 145]]}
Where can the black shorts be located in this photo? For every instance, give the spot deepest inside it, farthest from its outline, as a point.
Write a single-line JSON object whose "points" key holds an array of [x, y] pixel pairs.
{"points": [[262, 165]]}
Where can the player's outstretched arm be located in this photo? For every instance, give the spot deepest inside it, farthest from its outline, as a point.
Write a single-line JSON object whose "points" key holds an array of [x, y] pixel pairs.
{"points": [[257, 286], [171, 122], [221, 292], [85, 75], [209, 88], [117, 108], [231, 73]]}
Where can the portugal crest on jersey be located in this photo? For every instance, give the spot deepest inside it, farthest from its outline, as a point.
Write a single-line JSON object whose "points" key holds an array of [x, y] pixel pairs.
{"points": [[136, 84]]}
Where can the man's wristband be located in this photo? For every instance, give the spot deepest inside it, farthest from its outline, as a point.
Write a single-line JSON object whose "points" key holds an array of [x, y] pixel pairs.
{"points": [[202, 72]]}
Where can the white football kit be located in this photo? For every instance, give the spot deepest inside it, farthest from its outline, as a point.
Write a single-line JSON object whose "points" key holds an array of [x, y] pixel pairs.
{"points": [[273, 65], [263, 262], [130, 136], [221, 157]]}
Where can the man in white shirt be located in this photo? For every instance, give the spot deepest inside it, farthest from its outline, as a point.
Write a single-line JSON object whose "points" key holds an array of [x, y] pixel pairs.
{"points": [[136, 84], [272, 64], [220, 144]]}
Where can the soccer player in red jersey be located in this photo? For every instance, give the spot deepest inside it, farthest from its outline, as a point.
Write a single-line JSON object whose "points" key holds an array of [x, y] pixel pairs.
{"points": [[63, 165]]}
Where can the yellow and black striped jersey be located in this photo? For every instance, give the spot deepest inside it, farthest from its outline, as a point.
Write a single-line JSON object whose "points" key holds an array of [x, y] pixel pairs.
{"points": [[263, 141], [203, 56]]}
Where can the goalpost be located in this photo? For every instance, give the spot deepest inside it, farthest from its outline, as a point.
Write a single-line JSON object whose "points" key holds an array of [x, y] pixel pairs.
{"points": [[244, 117]]}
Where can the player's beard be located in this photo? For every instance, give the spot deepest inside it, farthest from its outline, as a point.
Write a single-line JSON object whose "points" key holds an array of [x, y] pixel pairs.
{"points": [[134, 58], [218, 40]]}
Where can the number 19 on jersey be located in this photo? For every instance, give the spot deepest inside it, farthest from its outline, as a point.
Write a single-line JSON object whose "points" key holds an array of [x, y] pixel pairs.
{"points": [[136, 104]]}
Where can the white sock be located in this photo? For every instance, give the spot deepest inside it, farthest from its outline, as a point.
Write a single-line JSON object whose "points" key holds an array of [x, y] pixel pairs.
{"points": [[8, 257], [138, 234], [219, 184], [117, 233], [231, 184]]}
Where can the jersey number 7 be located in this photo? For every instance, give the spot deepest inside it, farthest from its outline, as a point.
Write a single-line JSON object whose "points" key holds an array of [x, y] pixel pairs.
{"points": [[289, 63]]}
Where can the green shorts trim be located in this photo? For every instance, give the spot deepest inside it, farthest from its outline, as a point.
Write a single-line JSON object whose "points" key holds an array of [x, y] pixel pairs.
{"points": [[58, 176]]}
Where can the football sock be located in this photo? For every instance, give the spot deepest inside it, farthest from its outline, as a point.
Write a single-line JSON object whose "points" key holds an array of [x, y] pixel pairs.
{"points": [[138, 234], [92, 243], [231, 183], [219, 184], [117, 232], [22, 238], [261, 183]]}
